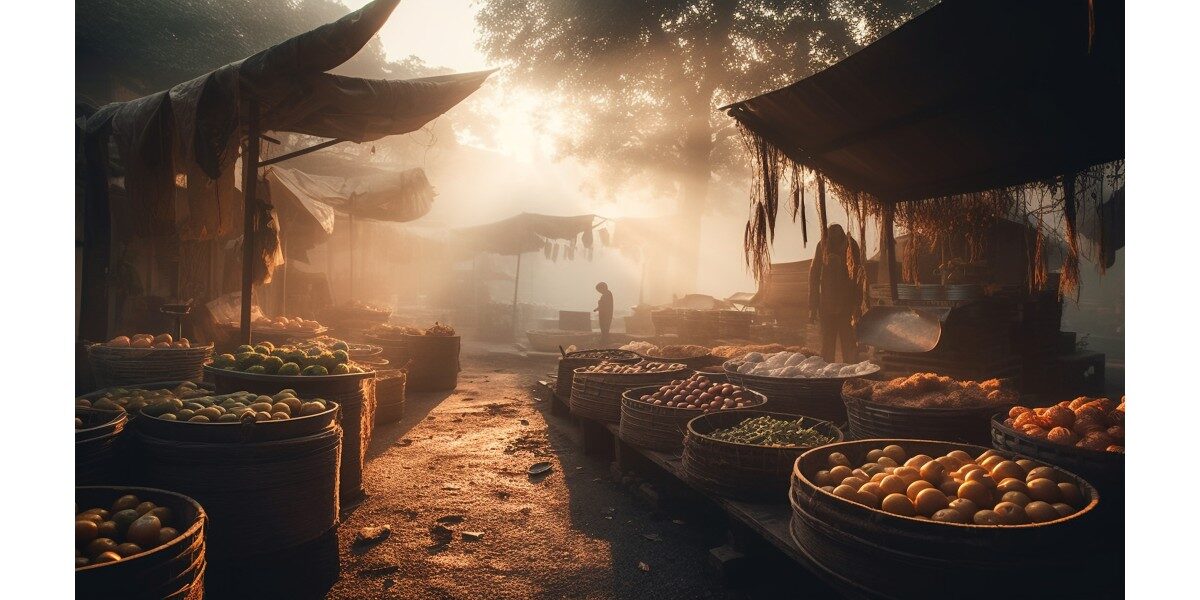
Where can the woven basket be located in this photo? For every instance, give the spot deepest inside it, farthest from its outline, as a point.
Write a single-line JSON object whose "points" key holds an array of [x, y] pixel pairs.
{"points": [[910, 557], [817, 397], [172, 571], [432, 361], [1105, 470], [597, 396], [97, 447], [126, 366], [389, 396], [353, 394], [238, 433], [657, 427], [586, 358], [869, 419], [261, 496], [743, 471]]}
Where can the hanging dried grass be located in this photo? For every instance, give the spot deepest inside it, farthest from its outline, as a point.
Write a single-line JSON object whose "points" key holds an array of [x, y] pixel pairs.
{"points": [[952, 225]]}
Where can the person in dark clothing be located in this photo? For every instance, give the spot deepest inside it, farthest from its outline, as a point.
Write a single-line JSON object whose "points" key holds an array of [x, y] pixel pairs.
{"points": [[605, 310], [835, 293]]}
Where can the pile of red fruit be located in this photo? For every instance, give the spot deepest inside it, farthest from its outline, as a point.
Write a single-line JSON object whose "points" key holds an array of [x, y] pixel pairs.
{"points": [[698, 392]]}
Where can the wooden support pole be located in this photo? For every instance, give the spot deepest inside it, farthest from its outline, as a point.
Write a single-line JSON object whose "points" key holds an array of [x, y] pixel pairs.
{"points": [[887, 249], [308, 150], [249, 190], [353, 238], [642, 285], [516, 285], [822, 213]]}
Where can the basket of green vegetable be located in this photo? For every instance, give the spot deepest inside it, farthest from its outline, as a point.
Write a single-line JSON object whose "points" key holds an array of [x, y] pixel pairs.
{"points": [[748, 454], [322, 370]]}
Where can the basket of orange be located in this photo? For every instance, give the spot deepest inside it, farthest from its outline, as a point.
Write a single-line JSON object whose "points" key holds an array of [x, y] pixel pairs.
{"points": [[146, 358]]}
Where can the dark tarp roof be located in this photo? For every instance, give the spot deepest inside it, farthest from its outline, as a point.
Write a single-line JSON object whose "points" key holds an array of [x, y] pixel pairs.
{"points": [[194, 127], [969, 96]]}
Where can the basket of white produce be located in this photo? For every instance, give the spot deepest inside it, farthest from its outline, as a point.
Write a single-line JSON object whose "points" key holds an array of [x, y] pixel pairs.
{"points": [[798, 383]]}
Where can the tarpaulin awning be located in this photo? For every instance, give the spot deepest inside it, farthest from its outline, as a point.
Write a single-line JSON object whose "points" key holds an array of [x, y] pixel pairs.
{"points": [[194, 127], [969, 96], [526, 232], [396, 196]]}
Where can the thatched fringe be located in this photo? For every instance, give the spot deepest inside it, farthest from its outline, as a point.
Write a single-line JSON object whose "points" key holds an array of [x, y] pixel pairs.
{"points": [[936, 225], [771, 167], [1068, 284]]}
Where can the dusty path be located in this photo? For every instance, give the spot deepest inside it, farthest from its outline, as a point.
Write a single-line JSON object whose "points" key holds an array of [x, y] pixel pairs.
{"points": [[571, 534]]}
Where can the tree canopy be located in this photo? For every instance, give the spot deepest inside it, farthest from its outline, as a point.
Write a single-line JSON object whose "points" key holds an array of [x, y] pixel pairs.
{"points": [[129, 48], [643, 78]]}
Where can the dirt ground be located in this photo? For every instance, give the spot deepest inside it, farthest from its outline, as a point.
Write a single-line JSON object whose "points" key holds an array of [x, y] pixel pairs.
{"points": [[462, 457]]}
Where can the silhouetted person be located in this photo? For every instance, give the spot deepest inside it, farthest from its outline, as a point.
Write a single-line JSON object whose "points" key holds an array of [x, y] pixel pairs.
{"points": [[605, 310], [834, 296]]}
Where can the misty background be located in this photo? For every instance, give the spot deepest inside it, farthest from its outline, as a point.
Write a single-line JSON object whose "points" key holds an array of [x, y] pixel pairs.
{"points": [[606, 108]]}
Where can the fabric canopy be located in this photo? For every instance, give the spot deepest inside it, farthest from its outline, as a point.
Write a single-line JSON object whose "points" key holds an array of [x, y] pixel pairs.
{"points": [[526, 232], [969, 96], [396, 196], [195, 127]]}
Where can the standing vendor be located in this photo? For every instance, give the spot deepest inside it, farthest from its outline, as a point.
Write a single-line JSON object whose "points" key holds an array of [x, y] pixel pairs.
{"points": [[605, 310], [835, 294]]}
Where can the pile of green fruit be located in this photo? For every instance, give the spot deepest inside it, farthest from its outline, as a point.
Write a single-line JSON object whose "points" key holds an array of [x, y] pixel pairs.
{"points": [[237, 407], [132, 400], [267, 359], [769, 431]]}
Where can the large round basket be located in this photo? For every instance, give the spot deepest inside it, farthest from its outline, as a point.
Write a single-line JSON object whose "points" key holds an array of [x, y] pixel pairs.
{"points": [[869, 553], [96, 446], [1105, 470], [120, 465], [389, 395], [743, 471], [432, 361], [125, 366], [657, 427], [173, 571], [353, 394], [868, 419], [817, 397], [597, 396], [586, 358], [264, 497], [155, 385]]}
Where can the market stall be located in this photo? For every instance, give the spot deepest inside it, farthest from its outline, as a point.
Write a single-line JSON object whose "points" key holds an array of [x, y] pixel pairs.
{"points": [[179, 147], [567, 237], [963, 133], [270, 457], [944, 126]]}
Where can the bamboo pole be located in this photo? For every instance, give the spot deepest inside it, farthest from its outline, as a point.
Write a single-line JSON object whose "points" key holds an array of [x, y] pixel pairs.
{"points": [[249, 189], [887, 248], [516, 286], [822, 213]]}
